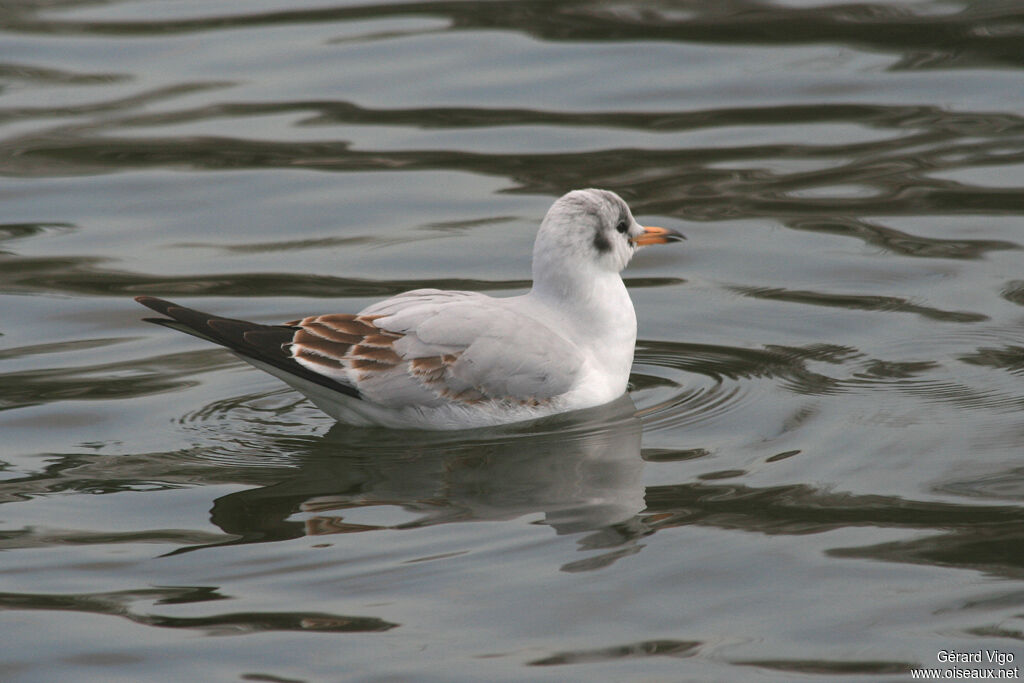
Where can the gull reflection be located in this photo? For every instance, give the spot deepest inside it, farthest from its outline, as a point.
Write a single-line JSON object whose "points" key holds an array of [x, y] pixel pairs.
{"points": [[581, 472]]}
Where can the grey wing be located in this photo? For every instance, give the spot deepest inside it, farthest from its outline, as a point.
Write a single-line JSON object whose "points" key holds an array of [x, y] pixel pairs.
{"points": [[429, 346]]}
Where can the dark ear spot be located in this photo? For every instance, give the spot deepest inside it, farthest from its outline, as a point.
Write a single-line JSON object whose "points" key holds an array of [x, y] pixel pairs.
{"points": [[601, 242]]}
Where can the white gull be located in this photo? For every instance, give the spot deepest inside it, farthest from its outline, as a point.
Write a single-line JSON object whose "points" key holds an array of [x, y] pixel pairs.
{"points": [[436, 359]]}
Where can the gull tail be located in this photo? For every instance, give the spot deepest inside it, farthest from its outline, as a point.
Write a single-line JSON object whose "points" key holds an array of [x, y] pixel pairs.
{"points": [[262, 345]]}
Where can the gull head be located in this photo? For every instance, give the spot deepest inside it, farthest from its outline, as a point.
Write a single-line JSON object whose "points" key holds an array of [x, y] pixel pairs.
{"points": [[592, 229]]}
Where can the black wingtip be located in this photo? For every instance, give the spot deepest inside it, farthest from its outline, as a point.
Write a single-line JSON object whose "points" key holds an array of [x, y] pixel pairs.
{"points": [[157, 304], [265, 343], [150, 301]]}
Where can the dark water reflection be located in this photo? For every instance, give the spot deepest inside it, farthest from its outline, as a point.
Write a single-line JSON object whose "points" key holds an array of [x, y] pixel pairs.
{"points": [[954, 34], [817, 474], [892, 173], [120, 604]]}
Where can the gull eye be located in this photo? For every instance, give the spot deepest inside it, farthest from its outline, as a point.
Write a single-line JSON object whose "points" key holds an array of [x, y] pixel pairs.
{"points": [[622, 227]]}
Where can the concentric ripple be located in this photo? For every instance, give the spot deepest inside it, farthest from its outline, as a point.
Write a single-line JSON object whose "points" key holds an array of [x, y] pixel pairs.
{"points": [[678, 384], [235, 430]]}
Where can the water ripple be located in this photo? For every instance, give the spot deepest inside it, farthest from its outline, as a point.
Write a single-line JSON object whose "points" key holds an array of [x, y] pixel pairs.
{"points": [[121, 604], [832, 409], [677, 384], [865, 302], [982, 36]]}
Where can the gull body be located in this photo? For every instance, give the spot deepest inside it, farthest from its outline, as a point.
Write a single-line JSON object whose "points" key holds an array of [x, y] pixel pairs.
{"points": [[437, 359]]}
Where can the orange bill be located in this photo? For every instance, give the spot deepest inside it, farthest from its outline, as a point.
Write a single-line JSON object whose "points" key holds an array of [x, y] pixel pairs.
{"points": [[654, 235]]}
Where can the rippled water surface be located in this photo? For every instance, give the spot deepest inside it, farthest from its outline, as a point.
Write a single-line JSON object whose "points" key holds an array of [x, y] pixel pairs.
{"points": [[818, 473]]}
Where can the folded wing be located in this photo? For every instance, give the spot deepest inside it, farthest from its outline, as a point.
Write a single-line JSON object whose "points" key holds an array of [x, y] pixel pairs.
{"points": [[422, 348], [428, 347]]}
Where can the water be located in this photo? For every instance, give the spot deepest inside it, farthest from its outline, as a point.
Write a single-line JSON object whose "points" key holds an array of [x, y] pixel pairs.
{"points": [[817, 474]]}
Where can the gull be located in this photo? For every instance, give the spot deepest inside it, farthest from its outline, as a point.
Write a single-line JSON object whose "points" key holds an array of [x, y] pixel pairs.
{"points": [[440, 360]]}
